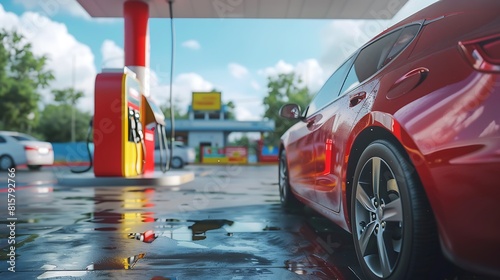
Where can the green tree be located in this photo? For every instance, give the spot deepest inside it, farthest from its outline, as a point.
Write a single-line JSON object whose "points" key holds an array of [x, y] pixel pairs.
{"points": [[230, 107], [283, 89], [55, 123], [179, 114], [69, 96], [22, 74], [62, 121], [242, 141]]}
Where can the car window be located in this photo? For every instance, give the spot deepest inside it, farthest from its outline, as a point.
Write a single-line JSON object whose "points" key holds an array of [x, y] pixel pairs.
{"points": [[2, 140], [331, 89], [351, 81], [378, 54], [24, 137], [403, 40]]}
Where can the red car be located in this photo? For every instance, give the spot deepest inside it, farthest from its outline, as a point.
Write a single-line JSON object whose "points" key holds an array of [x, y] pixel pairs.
{"points": [[401, 146]]}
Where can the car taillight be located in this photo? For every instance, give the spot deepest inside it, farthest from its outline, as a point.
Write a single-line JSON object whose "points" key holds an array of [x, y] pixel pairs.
{"points": [[483, 54], [28, 148]]}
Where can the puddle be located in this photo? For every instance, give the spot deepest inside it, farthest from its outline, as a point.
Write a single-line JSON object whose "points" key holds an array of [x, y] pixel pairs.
{"points": [[271, 228], [60, 274], [52, 273], [295, 267], [116, 263], [86, 198], [146, 190], [107, 217], [131, 261], [167, 220], [197, 227], [106, 229], [269, 183]]}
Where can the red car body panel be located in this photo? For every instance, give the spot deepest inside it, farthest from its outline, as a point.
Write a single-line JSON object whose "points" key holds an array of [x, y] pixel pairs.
{"points": [[440, 99]]}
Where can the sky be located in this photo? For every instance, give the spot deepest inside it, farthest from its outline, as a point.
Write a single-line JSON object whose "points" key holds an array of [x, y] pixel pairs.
{"points": [[235, 56]]}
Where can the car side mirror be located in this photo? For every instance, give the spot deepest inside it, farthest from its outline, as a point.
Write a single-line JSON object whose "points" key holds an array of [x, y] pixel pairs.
{"points": [[290, 111]]}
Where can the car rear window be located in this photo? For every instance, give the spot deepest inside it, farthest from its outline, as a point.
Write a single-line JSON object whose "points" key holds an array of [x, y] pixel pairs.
{"points": [[403, 40], [24, 138], [378, 54], [2, 140]]}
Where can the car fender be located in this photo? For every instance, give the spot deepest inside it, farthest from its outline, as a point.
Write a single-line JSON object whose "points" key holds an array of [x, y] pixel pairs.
{"points": [[383, 125]]}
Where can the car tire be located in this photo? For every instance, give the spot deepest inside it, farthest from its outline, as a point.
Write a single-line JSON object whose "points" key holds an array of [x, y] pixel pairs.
{"points": [[177, 163], [287, 198], [34, 167], [393, 228], [6, 162]]}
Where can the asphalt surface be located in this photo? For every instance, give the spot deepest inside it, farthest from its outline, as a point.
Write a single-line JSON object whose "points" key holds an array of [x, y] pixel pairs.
{"points": [[226, 224]]}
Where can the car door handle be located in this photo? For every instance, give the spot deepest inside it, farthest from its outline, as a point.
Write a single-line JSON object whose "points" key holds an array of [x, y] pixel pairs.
{"points": [[356, 98], [310, 124], [313, 123]]}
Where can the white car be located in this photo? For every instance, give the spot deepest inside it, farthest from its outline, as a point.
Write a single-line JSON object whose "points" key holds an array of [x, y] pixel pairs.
{"points": [[182, 155], [19, 149]]}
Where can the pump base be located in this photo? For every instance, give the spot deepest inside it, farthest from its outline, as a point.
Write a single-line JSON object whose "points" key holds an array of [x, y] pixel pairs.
{"points": [[157, 178]]}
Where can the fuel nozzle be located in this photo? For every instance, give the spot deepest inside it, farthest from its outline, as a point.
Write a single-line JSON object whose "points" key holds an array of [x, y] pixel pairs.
{"points": [[132, 119], [137, 117]]}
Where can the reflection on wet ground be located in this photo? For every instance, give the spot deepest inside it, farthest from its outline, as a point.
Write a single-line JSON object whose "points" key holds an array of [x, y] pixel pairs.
{"points": [[226, 224]]}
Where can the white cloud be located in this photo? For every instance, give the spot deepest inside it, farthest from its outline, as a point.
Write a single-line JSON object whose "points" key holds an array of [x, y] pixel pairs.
{"points": [[310, 72], [247, 107], [255, 85], [280, 68], [238, 71], [342, 37], [66, 56], [247, 113], [191, 44], [182, 88], [112, 55]]}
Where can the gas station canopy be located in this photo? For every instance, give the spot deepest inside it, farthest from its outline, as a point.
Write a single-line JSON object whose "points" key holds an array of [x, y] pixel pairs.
{"points": [[278, 9]]}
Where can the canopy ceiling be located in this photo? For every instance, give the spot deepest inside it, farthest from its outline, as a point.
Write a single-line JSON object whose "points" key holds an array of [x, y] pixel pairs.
{"points": [[278, 9]]}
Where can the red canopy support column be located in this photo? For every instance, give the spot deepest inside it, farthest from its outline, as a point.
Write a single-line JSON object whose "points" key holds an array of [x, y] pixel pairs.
{"points": [[136, 15]]}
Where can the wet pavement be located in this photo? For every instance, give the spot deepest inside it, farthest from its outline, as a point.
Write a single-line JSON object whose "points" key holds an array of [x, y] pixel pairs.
{"points": [[226, 224]]}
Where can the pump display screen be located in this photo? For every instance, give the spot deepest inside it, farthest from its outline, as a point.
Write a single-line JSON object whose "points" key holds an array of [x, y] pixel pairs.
{"points": [[133, 91]]}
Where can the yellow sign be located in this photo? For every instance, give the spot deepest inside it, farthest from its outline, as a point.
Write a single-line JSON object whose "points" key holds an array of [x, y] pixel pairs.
{"points": [[206, 101]]}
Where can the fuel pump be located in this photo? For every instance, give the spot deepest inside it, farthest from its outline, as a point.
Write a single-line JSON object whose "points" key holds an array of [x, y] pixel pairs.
{"points": [[119, 148], [126, 123]]}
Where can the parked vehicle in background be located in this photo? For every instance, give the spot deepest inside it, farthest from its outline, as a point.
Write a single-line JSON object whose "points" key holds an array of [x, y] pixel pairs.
{"points": [[401, 146], [18, 149], [182, 155]]}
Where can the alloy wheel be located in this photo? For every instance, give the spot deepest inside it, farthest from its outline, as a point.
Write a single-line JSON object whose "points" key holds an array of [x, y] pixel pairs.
{"points": [[378, 217]]}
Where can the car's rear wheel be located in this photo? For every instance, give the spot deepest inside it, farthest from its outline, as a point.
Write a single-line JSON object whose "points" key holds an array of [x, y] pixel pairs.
{"points": [[177, 162], [286, 196], [393, 228], [34, 167], [6, 162]]}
